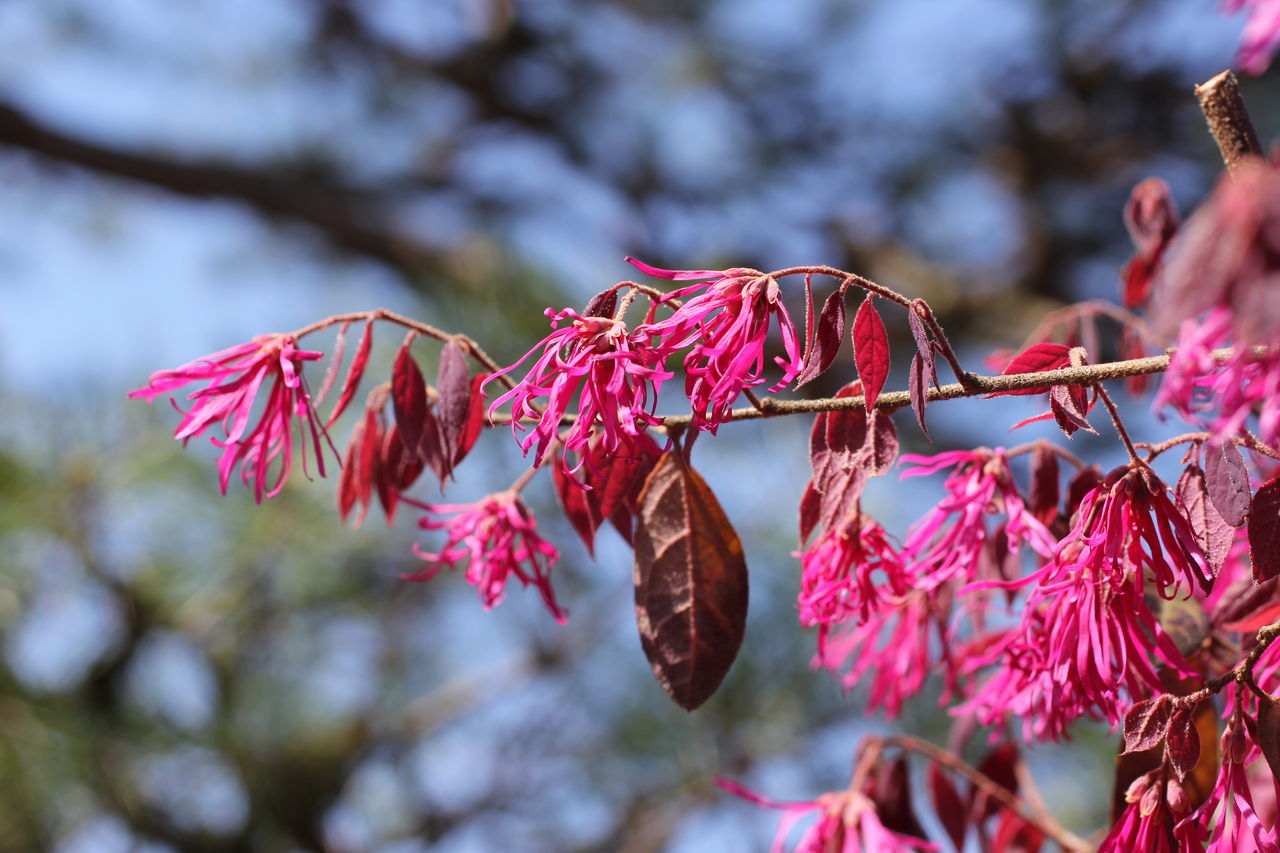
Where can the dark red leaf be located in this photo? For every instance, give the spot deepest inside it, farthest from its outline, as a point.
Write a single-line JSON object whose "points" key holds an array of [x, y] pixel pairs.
{"points": [[1000, 766], [347, 482], [454, 386], [836, 451], [1246, 603], [385, 476], [432, 448], [1182, 742], [366, 468], [1146, 723], [409, 399], [354, 374], [620, 477], [475, 419], [1070, 407], [1207, 524], [1085, 481], [1264, 531], [1227, 480], [1269, 734], [870, 350], [947, 805], [404, 467], [603, 304], [1152, 220], [579, 510], [690, 583], [1015, 835], [918, 388], [891, 794], [810, 507], [1036, 359], [829, 336], [808, 318], [881, 449], [1042, 501]]}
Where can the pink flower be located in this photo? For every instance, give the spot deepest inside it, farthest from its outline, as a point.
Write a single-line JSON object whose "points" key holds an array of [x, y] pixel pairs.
{"points": [[234, 377], [847, 823], [1261, 34], [1145, 824], [892, 646], [727, 325], [1237, 826], [848, 572], [1087, 634], [950, 541], [498, 538], [618, 379], [1195, 385]]}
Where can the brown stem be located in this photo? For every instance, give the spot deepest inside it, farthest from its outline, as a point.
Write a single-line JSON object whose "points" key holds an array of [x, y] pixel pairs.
{"points": [[991, 788], [1248, 440], [1119, 426], [1228, 119], [846, 279], [1243, 671]]}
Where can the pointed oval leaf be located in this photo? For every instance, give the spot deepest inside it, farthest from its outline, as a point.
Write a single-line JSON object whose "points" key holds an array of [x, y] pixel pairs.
{"points": [[335, 361], [1036, 359], [1264, 531], [1182, 742], [354, 374], [475, 419], [827, 338], [603, 304], [690, 583], [892, 798], [1227, 480], [870, 350], [579, 510], [947, 805], [409, 398], [919, 391], [1043, 498], [1146, 723], [881, 449], [1269, 734], [454, 385], [1000, 766], [1207, 524]]}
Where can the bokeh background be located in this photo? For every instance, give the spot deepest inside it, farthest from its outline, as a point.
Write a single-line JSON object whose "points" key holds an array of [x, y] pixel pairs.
{"points": [[185, 671]]}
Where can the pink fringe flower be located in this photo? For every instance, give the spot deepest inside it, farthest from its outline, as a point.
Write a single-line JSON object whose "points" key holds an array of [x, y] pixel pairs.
{"points": [[949, 542], [497, 537], [892, 646], [727, 324], [1261, 34], [1237, 827], [234, 378], [848, 572], [1087, 634], [618, 380], [847, 823], [1154, 803]]}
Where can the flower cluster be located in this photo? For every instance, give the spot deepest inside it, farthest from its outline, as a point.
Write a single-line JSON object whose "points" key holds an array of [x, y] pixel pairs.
{"points": [[497, 537], [234, 377], [618, 378], [1216, 290], [847, 823], [1087, 634], [1154, 802], [847, 573]]}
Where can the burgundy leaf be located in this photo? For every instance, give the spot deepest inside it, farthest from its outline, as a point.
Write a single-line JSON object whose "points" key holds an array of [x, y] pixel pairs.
{"points": [[808, 318], [1182, 742], [836, 453], [870, 350], [620, 477], [432, 448], [475, 419], [1015, 835], [1036, 359], [1043, 498], [1146, 723], [1269, 733], [881, 449], [409, 399], [579, 510], [384, 476], [404, 467], [918, 388], [1264, 531], [335, 361], [810, 508], [1228, 481], [1247, 605], [829, 336], [891, 795], [1069, 405], [1152, 220], [950, 810], [347, 482], [454, 386], [1085, 481], [603, 304], [1207, 524], [1000, 766], [366, 467], [690, 583], [354, 374]]}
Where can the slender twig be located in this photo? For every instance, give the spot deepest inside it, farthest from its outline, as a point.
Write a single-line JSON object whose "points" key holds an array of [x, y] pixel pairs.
{"points": [[991, 788], [1248, 440], [1243, 671], [1228, 120], [1030, 446], [1080, 310], [1119, 426]]}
